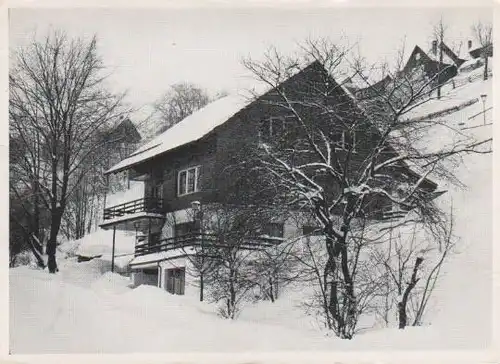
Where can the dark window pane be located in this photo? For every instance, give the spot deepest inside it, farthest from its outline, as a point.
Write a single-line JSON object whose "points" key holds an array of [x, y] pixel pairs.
{"points": [[183, 228], [311, 230], [274, 229], [278, 127], [198, 179], [182, 182], [191, 178], [154, 239], [265, 130]]}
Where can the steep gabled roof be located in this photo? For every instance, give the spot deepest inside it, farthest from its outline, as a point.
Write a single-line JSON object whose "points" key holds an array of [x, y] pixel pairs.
{"points": [[204, 121], [452, 55], [199, 124], [124, 132], [190, 129], [430, 57], [449, 56]]}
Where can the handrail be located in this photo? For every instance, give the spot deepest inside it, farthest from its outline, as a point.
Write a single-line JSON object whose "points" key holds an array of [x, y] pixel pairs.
{"points": [[206, 240], [146, 204]]}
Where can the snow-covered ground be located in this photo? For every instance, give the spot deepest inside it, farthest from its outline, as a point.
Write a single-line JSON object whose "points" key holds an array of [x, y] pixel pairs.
{"points": [[84, 310], [87, 309]]}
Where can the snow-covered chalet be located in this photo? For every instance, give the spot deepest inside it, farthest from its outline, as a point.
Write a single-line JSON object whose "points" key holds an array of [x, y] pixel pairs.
{"points": [[180, 170]]}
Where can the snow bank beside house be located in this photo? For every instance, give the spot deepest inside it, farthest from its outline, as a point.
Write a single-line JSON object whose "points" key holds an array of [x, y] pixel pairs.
{"points": [[111, 283], [100, 243]]}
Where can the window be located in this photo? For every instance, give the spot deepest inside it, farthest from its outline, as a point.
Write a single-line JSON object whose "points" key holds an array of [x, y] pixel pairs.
{"points": [[184, 228], [274, 229], [311, 230], [154, 241], [345, 141], [271, 128], [157, 191], [188, 181], [175, 280]]}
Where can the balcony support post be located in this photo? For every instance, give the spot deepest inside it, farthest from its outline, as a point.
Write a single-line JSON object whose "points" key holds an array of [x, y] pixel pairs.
{"points": [[113, 250], [149, 233]]}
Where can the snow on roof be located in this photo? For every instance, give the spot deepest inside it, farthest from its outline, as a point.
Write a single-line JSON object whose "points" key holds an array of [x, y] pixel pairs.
{"points": [[435, 57], [192, 128], [201, 122]]}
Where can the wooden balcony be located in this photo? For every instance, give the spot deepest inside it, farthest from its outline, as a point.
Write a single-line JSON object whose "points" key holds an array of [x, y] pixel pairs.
{"points": [[147, 204], [134, 215], [198, 240]]}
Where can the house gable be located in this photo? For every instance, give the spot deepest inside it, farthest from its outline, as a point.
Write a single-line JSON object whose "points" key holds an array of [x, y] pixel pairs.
{"points": [[228, 142]]}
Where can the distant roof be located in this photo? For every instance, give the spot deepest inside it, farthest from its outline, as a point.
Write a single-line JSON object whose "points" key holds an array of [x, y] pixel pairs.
{"points": [[190, 129], [125, 131], [449, 56]]}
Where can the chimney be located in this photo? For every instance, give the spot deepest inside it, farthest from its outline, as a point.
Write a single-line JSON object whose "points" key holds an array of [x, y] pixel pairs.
{"points": [[469, 44], [434, 47]]}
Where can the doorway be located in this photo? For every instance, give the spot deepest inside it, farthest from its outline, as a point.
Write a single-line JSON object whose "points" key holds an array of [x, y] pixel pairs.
{"points": [[175, 280]]}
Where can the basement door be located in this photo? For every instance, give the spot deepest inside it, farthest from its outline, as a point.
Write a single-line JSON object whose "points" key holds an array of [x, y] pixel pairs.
{"points": [[176, 280]]}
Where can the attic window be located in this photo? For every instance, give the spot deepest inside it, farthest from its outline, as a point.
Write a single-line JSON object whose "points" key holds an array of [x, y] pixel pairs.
{"points": [[271, 128], [417, 57], [345, 141]]}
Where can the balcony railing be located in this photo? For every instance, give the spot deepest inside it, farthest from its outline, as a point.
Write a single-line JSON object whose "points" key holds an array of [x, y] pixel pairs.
{"points": [[207, 240], [147, 204]]}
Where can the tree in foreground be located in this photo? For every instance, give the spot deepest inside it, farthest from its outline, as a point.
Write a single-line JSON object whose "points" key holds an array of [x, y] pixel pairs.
{"points": [[407, 262], [58, 103], [229, 256], [349, 161]]}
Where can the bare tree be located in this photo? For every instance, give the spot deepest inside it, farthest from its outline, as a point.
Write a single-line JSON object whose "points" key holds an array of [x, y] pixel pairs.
{"points": [[57, 94], [439, 33], [230, 253], [409, 260], [347, 162], [276, 268], [484, 35], [28, 221], [180, 101]]}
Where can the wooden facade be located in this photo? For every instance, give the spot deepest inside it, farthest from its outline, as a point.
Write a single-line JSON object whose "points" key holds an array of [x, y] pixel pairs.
{"points": [[198, 171]]}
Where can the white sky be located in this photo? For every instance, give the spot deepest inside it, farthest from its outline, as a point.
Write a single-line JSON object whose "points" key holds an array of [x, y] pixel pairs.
{"points": [[150, 49]]}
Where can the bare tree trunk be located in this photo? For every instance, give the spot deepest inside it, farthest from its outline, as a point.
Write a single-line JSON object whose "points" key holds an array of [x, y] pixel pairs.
{"points": [[52, 243], [202, 285], [271, 290], [403, 318], [485, 75]]}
